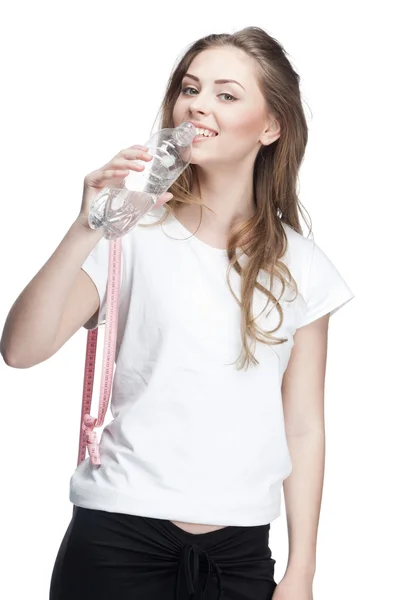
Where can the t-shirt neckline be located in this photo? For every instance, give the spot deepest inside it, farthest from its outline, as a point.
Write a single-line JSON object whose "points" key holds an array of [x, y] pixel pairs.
{"points": [[194, 239]]}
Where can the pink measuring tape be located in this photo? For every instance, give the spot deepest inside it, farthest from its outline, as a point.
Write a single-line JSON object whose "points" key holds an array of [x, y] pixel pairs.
{"points": [[88, 437]]}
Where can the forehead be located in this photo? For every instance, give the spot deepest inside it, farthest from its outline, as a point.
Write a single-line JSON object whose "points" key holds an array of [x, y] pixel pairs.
{"points": [[224, 63]]}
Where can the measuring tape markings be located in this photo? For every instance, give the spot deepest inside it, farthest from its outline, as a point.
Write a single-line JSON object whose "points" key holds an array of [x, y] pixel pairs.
{"points": [[88, 437]]}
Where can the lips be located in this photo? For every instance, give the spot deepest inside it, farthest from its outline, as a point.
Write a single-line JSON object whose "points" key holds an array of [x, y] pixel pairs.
{"points": [[203, 138]]}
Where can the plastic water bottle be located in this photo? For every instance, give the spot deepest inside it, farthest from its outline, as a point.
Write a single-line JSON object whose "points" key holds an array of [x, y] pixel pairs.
{"points": [[118, 210]]}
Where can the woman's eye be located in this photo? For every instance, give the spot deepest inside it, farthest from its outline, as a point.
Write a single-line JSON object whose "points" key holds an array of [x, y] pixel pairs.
{"points": [[230, 95], [186, 89]]}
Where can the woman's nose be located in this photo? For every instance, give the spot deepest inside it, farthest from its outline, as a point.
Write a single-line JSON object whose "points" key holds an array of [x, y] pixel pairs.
{"points": [[200, 104]]}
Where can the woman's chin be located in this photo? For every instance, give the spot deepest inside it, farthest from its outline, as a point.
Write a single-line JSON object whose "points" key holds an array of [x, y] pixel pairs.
{"points": [[200, 157]]}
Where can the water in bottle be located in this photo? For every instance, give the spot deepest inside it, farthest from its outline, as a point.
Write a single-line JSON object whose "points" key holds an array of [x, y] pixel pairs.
{"points": [[118, 210]]}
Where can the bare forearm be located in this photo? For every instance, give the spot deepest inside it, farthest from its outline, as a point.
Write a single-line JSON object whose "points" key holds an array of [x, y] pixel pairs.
{"points": [[303, 495], [34, 318]]}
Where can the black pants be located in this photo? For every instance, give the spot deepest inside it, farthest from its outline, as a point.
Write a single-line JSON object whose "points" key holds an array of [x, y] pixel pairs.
{"points": [[112, 556]]}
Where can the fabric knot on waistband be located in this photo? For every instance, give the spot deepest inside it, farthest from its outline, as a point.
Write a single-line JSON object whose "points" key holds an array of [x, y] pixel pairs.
{"points": [[88, 425], [192, 577]]}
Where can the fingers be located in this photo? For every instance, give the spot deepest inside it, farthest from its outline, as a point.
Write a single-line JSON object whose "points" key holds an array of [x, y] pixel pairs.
{"points": [[127, 160], [134, 153]]}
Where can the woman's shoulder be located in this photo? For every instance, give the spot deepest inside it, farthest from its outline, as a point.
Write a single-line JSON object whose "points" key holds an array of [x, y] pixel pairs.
{"points": [[296, 236], [299, 247]]}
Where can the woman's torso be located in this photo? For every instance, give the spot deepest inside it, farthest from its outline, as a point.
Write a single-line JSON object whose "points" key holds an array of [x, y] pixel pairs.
{"points": [[192, 341]]}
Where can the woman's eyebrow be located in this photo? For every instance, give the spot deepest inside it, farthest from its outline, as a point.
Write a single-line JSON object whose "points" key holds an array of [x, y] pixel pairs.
{"points": [[216, 81]]}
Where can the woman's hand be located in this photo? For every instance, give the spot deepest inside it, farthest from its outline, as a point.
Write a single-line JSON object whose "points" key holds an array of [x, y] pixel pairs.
{"points": [[112, 174], [292, 587]]}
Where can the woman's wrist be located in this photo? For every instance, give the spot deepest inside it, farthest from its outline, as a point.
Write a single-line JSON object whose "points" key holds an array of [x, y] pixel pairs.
{"points": [[304, 571]]}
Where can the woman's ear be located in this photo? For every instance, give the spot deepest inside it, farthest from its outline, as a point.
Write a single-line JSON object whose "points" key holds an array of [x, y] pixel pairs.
{"points": [[271, 133]]}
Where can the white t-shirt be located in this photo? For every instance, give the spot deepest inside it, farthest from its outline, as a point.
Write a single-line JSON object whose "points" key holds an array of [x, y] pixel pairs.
{"points": [[192, 438]]}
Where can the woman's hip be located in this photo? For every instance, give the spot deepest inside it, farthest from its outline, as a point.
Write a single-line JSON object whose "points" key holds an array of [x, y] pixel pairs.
{"points": [[111, 555]]}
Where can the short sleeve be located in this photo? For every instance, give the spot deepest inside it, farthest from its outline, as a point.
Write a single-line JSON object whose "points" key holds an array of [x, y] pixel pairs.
{"points": [[96, 266], [325, 289]]}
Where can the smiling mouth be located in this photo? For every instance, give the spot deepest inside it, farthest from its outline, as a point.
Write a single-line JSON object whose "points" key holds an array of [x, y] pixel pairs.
{"points": [[207, 133], [203, 134]]}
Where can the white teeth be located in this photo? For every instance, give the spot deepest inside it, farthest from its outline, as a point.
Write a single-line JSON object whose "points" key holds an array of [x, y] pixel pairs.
{"points": [[205, 132]]}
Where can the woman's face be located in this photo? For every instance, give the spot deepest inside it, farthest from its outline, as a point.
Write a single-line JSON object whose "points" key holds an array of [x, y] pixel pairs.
{"points": [[236, 111]]}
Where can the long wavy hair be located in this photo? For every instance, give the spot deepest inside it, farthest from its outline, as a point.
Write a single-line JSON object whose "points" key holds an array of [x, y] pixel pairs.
{"points": [[261, 238]]}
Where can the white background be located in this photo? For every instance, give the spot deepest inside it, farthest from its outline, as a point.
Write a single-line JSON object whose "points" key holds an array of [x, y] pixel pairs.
{"points": [[82, 80]]}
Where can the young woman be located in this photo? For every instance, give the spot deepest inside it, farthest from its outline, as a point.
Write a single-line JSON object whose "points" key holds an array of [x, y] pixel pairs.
{"points": [[219, 289]]}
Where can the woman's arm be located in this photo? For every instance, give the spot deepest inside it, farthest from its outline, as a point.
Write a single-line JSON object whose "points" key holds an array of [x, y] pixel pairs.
{"points": [[303, 404], [33, 322]]}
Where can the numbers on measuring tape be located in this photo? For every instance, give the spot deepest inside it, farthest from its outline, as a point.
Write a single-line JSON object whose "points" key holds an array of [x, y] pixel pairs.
{"points": [[88, 438]]}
